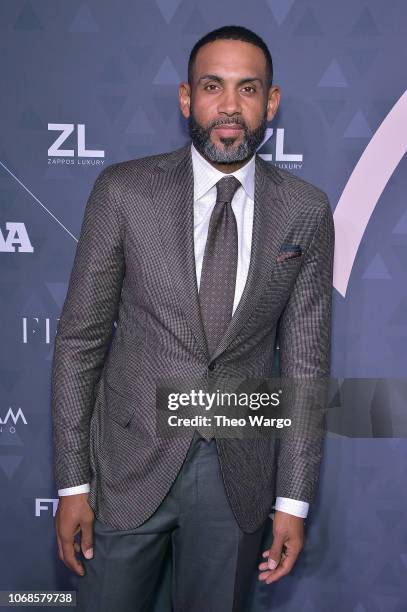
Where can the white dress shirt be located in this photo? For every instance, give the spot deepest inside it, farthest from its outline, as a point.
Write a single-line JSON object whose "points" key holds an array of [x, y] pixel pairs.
{"points": [[205, 179]]}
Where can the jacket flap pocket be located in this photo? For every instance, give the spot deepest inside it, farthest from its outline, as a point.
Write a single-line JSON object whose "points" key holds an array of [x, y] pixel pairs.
{"points": [[120, 408]]}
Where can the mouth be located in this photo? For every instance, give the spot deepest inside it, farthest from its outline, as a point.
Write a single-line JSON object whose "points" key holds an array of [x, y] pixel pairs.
{"points": [[228, 130]]}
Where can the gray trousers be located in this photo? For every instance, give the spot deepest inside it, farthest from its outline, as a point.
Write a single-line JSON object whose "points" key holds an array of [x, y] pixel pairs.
{"points": [[214, 563]]}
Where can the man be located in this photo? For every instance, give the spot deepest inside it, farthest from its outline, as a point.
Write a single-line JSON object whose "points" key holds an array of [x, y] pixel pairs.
{"points": [[204, 257]]}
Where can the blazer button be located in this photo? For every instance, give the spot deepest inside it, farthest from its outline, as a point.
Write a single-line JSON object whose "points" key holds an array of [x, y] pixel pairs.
{"points": [[211, 366]]}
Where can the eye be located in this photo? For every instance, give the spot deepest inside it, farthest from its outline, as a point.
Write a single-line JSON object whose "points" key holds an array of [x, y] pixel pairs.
{"points": [[210, 85], [253, 89]]}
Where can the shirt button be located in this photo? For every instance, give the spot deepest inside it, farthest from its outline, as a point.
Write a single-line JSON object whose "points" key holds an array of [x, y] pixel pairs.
{"points": [[211, 366]]}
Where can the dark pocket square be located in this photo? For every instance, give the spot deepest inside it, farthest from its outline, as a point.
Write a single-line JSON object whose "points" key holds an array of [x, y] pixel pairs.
{"points": [[289, 251]]}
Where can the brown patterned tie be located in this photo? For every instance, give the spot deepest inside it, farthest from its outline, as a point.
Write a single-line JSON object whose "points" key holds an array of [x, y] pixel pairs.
{"points": [[218, 276]]}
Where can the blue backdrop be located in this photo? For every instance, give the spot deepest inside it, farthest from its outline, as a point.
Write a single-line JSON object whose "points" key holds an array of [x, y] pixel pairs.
{"points": [[104, 74]]}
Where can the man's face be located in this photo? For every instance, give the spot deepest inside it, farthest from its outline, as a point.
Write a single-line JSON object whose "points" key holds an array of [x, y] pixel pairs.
{"points": [[229, 103]]}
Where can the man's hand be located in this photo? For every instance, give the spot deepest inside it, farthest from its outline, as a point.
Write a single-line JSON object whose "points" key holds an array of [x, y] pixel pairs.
{"points": [[73, 515], [288, 540]]}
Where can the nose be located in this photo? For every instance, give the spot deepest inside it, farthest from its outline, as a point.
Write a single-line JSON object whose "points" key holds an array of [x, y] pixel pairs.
{"points": [[229, 102]]}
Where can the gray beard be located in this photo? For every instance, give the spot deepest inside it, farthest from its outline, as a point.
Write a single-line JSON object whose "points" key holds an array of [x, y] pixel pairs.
{"points": [[201, 139]]}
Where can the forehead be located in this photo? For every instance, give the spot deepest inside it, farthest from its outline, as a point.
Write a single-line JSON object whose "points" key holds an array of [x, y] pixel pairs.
{"points": [[229, 59]]}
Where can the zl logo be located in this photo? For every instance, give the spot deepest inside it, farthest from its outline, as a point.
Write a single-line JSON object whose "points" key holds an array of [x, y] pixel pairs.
{"points": [[67, 129], [280, 156]]}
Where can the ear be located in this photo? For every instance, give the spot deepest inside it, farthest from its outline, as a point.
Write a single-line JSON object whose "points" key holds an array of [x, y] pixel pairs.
{"points": [[273, 101], [184, 96]]}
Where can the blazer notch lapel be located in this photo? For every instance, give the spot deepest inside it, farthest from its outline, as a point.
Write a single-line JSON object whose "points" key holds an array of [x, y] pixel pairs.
{"points": [[268, 227], [173, 192]]}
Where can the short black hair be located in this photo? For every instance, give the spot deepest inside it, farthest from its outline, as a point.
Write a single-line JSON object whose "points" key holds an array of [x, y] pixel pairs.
{"points": [[232, 32]]}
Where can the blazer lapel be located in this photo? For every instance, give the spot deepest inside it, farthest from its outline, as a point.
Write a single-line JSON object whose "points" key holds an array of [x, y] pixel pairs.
{"points": [[173, 195], [269, 222]]}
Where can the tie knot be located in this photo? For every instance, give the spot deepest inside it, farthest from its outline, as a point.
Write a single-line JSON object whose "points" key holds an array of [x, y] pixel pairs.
{"points": [[226, 188]]}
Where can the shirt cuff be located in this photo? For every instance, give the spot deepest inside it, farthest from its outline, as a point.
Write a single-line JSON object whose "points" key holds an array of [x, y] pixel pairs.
{"points": [[291, 506], [84, 488]]}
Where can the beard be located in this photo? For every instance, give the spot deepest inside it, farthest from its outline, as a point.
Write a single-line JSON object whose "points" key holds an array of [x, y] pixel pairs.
{"points": [[201, 139]]}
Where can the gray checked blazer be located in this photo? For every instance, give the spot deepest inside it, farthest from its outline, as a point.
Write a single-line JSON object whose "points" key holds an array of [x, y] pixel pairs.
{"points": [[131, 316]]}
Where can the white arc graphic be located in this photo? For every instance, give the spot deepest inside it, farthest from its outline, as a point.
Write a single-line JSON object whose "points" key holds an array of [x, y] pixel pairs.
{"points": [[364, 188]]}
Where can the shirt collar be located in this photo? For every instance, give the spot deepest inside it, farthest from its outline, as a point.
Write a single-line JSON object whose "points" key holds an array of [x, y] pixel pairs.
{"points": [[206, 175]]}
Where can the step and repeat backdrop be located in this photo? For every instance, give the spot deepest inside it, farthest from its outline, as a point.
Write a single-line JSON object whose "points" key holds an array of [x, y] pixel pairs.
{"points": [[87, 84]]}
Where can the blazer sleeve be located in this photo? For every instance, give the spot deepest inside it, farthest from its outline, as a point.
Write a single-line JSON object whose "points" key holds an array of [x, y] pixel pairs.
{"points": [[84, 331], [305, 345]]}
